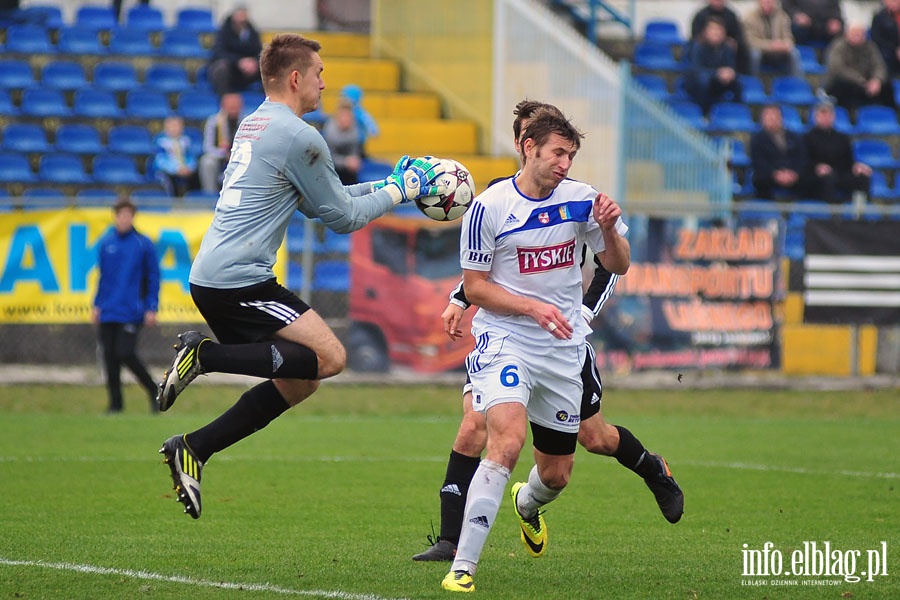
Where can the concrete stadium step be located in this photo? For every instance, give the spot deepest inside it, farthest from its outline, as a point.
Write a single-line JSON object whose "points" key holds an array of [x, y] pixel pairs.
{"points": [[390, 105], [371, 74], [437, 137]]}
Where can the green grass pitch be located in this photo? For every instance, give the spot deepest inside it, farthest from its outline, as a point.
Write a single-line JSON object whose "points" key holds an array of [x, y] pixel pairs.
{"points": [[334, 497]]}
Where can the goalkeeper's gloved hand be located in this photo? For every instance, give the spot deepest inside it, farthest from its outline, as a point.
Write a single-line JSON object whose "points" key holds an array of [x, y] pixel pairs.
{"points": [[416, 180]]}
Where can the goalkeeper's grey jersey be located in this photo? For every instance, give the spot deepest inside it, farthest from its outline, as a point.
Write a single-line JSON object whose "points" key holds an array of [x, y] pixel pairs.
{"points": [[278, 164]]}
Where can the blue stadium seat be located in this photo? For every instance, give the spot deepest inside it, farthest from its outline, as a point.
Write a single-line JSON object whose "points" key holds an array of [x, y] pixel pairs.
{"points": [[655, 57], [146, 104], [96, 17], [374, 170], [77, 41], [150, 192], [197, 105], [131, 42], [28, 39], [167, 77], [14, 167], [107, 196], [64, 75], [333, 242], [876, 120], [91, 103], [196, 136], [810, 61], [41, 102], [793, 90], [690, 112], [663, 31], [655, 85], [7, 107], [62, 168], [739, 157], [182, 43], [78, 139], [201, 197], [130, 139], [115, 76], [25, 137], [875, 153], [195, 19], [753, 91], [44, 193], [331, 276], [841, 120], [791, 119], [727, 117], [145, 18], [252, 100], [15, 74], [880, 190], [45, 15], [294, 276], [116, 169]]}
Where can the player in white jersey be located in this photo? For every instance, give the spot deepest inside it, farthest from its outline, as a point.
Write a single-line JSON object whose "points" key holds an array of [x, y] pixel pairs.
{"points": [[520, 254], [278, 164]]}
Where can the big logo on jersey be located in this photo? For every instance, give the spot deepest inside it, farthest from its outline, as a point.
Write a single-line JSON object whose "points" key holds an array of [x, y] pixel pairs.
{"points": [[536, 259]]}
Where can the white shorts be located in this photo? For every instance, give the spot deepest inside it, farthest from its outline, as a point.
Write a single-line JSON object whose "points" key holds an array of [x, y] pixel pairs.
{"points": [[547, 381]]}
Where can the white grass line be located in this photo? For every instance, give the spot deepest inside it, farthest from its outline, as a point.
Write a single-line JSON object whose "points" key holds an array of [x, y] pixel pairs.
{"points": [[146, 575], [785, 469]]}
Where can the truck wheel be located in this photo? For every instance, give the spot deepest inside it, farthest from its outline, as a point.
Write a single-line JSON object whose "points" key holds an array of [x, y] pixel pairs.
{"points": [[366, 350]]}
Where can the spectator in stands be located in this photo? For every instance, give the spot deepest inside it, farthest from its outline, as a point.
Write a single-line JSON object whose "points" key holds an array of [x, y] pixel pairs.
{"points": [[117, 7], [365, 123], [885, 33], [815, 21], [778, 158], [175, 163], [341, 135], [234, 65], [855, 72], [734, 30], [834, 174], [218, 135], [9, 13], [771, 43], [127, 299], [711, 76]]}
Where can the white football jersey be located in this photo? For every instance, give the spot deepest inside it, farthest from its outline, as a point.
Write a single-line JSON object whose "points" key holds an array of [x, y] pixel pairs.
{"points": [[532, 247]]}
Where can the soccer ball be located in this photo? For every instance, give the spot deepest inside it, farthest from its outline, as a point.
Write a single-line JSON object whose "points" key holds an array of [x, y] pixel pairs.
{"points": [[453, 204]]}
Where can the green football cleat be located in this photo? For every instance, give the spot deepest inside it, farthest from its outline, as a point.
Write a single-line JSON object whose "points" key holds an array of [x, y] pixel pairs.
{"points": [[458, 581], [534, 530]]}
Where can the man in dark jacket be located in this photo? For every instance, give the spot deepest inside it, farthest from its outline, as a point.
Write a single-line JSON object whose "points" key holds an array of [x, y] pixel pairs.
{"points": [[885, 33], [778, 158], [734, 30], [834, 174], [814, 21], [127, 298], [711, 75], [234, 65]]}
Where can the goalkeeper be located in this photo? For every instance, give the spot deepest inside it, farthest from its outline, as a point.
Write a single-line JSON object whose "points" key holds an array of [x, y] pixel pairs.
{"points": [[278, 164]]}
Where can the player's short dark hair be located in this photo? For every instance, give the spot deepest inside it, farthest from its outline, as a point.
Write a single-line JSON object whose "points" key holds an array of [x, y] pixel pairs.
{"points": [[285, 53], [526, 110], [122, 203], [545, 123]]}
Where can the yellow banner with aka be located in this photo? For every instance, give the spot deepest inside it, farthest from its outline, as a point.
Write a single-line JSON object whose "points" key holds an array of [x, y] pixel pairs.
{"points": [[48, 262]]}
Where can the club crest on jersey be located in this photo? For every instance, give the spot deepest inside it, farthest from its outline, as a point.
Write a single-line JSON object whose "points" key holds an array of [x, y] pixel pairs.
{"points": [[544, 218], [546, 258]]}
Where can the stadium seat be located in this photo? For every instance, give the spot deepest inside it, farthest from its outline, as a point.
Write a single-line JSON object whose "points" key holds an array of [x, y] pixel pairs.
{"points": [[810, 61], [196, 136], [41, 102], [115, 76], [7, 108], [331, 276], [793, 90], [663, 31], [77, 41], [195, 19], [876, 120], [78, 139], [739, 157], [144, 17], [45, 15], [728, 117], [201, 197], [791, 119], [44, 193], [875, 153], [182, 44], [841, 120], [104, 195], [25, 137], [151, 193], [197, 105], [880, 189], [655, 85], [295, 275], [146, 104], [116, 169], [63, 75], [16, 74], [62, 168], [91, 103], [95, 17], [129, 139], [753, 91], [690, 112], [252, 100], [131, 42], [28, 39], [14, 167], [333, 242], [655, 57], [166, 77]]}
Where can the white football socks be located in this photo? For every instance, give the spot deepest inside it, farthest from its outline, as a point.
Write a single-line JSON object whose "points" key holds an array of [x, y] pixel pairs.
{"points": [[482, 505], [534, 494]]}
